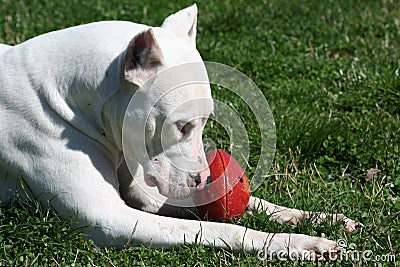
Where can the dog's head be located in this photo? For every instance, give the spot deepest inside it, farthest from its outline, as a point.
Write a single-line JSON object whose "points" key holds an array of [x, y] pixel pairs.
{"points": [[170, 107]]}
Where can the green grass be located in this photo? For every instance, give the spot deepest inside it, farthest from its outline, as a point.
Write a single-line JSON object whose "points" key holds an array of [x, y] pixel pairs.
{"points": [[330, 71]]}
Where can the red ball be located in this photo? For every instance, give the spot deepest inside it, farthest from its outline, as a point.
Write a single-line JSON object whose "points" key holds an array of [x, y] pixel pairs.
{"points": [[229, 189]]}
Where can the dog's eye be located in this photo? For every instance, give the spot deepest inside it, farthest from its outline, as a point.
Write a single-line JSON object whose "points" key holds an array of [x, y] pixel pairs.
{"points": [[184, 127]]}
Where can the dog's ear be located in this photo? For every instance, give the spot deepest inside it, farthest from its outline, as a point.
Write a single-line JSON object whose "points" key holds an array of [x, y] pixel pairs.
{"points": [[143, 57], [183, 23]]}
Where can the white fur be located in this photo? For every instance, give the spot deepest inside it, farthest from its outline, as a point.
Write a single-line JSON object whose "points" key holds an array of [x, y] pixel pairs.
{"points": [[63, 96]]}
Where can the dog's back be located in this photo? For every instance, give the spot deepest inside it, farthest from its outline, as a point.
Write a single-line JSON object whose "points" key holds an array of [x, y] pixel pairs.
{"points": [[4, 48]]}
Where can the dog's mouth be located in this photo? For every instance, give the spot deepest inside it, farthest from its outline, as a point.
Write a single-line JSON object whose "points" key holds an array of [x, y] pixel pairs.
{"points": [[169, 190], [150, 180]]}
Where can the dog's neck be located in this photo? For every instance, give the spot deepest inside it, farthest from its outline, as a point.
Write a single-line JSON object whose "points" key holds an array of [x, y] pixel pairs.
{"points": [[115, 105], [100, 105]]}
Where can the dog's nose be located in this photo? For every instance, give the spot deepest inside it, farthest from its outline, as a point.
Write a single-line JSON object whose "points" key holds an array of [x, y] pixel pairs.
{"points": [[197, 179], [201, 179]]}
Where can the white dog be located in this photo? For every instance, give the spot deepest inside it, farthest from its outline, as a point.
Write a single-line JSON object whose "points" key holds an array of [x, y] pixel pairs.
{"points": [[63, 97]]}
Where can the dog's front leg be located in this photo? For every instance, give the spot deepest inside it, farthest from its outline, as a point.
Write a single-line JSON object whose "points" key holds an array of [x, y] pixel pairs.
{"points": [[87, 191], [294, 216], [125, 226], [156, 231], [97, 204]]}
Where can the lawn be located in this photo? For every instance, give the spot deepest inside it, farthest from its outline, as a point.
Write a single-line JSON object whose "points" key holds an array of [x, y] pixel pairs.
{"points": [[330, 72]]}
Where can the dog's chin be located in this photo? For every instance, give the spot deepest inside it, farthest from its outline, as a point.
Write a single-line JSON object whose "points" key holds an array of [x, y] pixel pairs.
{"points": [[174, 191], [167, 189]]}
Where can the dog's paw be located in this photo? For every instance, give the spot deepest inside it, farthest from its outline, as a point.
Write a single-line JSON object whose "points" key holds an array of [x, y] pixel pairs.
{"points": [[303, 247], [350, 225], [316, 249]]}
